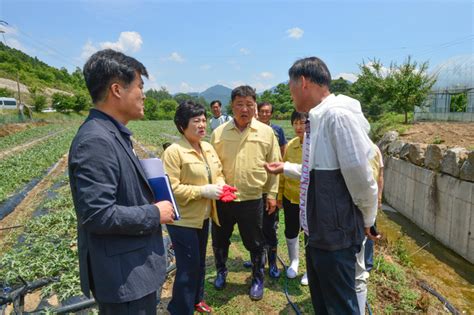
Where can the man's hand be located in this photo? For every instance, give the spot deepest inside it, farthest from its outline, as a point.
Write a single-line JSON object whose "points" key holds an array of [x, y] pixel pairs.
{"points": [[271, 205], [274, 167], [166, 211], [372, 236]]}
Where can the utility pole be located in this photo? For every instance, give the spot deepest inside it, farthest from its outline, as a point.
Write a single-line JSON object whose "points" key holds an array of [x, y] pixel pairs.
{"points": [[19, 105]]}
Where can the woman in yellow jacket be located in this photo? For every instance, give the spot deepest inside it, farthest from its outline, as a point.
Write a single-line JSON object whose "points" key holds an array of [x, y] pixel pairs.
{"points": [[289, 195], [196, 177]]}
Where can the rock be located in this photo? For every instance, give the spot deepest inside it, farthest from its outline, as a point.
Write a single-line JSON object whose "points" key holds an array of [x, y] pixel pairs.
{"points": [[395, 147], [467, 171], [470, 157], [404, 151], [416, 153], [386, 140], [453, 160], [433, 156]]}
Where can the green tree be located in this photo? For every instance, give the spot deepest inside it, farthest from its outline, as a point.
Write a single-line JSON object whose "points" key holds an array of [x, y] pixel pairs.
{"points": [[151, 109], [458, 103], [82, 101], [340, 86], [181, 97], [39, 102], [4, 92], [167, 108], [371, 88], [62, 102], [408, 86], [160, 95]]}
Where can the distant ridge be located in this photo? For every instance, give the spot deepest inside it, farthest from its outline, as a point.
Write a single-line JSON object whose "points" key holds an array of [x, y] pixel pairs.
{"points": [[217, 92]]}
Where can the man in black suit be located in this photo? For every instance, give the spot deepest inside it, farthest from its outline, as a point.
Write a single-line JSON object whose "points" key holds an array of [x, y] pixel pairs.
{"points": [[121, 253]]}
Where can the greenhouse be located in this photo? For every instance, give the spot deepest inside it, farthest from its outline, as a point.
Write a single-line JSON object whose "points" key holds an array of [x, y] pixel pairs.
{"points": [[452, 96]]}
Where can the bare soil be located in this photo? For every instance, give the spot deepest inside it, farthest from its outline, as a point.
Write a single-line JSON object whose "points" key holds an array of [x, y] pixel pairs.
{"points": [[450, 134], [9, 129], [24, 210]]}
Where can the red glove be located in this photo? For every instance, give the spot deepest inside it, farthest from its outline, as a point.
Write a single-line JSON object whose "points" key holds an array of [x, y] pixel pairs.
{"points": [[228, 193], [229, 188]]}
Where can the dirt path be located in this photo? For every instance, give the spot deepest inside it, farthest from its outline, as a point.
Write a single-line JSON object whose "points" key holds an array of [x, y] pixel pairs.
{"points": [[24, 210], [27, 145], [9, 129], [447, 133]]}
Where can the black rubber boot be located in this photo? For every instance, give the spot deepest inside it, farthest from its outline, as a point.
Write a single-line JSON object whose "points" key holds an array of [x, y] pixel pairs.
{"points": [[220, 256], [258, 267], [272, 263]]}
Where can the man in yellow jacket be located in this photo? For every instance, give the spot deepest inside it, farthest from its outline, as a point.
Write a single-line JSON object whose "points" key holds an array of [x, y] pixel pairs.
{"points": [[244, 145]]}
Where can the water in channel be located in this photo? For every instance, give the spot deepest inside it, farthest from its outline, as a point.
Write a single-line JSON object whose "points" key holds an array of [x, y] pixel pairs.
{"points": [[443, 269]]}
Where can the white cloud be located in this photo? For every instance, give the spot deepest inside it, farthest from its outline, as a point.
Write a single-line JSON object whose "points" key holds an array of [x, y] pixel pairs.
{"points": [[384, 71], [184, 87], [346, 76], [266, 75], [295, 33], [127, 42], [14, 43], [260, 86], [8, 29], [244, 51], [176, 57], [88, 49], [205, 67]]}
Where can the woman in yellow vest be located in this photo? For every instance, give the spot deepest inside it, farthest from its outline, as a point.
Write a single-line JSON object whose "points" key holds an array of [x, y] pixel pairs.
{"points": [[289, 195], [196, 177]]}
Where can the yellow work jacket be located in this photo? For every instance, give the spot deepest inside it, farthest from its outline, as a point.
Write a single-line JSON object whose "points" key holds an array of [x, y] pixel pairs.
{"points": [[289, 187], [187, 170], [243, 155]]}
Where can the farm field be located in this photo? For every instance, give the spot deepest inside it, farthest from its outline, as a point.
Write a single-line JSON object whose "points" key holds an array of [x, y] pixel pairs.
{"points": [[38, 237]]}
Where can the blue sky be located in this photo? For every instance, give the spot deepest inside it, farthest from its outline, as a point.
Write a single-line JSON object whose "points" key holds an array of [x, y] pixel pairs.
{"points": [[191, 45]]}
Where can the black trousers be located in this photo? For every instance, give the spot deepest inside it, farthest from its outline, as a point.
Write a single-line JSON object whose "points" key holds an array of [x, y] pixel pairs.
{"points": [[269, 225], [248, 217], [189, 246], [144, 306], [292, 218], [331, 276]]}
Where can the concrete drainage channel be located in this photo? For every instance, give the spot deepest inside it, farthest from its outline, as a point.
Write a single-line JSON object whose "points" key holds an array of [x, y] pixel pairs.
{"points": [[438, 265]]}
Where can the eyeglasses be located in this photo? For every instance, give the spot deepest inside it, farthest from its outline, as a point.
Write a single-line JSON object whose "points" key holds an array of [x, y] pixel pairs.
{"points": [[248, 106]]}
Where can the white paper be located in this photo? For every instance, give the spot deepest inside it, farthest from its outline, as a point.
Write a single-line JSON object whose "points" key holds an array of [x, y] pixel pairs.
{"points": [[153, 167]]}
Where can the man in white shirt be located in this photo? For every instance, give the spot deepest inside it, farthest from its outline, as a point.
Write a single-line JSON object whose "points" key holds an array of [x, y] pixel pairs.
{"points": [[338, 194], [217, 118]]}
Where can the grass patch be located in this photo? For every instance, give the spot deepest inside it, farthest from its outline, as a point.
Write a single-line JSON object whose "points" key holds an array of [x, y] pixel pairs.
{"points": [[389, 121]]}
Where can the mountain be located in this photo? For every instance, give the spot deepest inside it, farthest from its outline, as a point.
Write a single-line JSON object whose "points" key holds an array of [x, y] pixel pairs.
{"points": [[36, 74], [217, 92]]}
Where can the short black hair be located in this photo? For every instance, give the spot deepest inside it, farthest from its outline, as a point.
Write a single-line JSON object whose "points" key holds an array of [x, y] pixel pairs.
{"points": [[261, 104], [243, 91], [186, 110], [106, 66], [298, 116], [216, 101], [312, 68]]}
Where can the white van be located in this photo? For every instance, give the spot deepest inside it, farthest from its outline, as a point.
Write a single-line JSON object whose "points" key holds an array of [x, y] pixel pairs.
{"points": [[7, 103]]}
